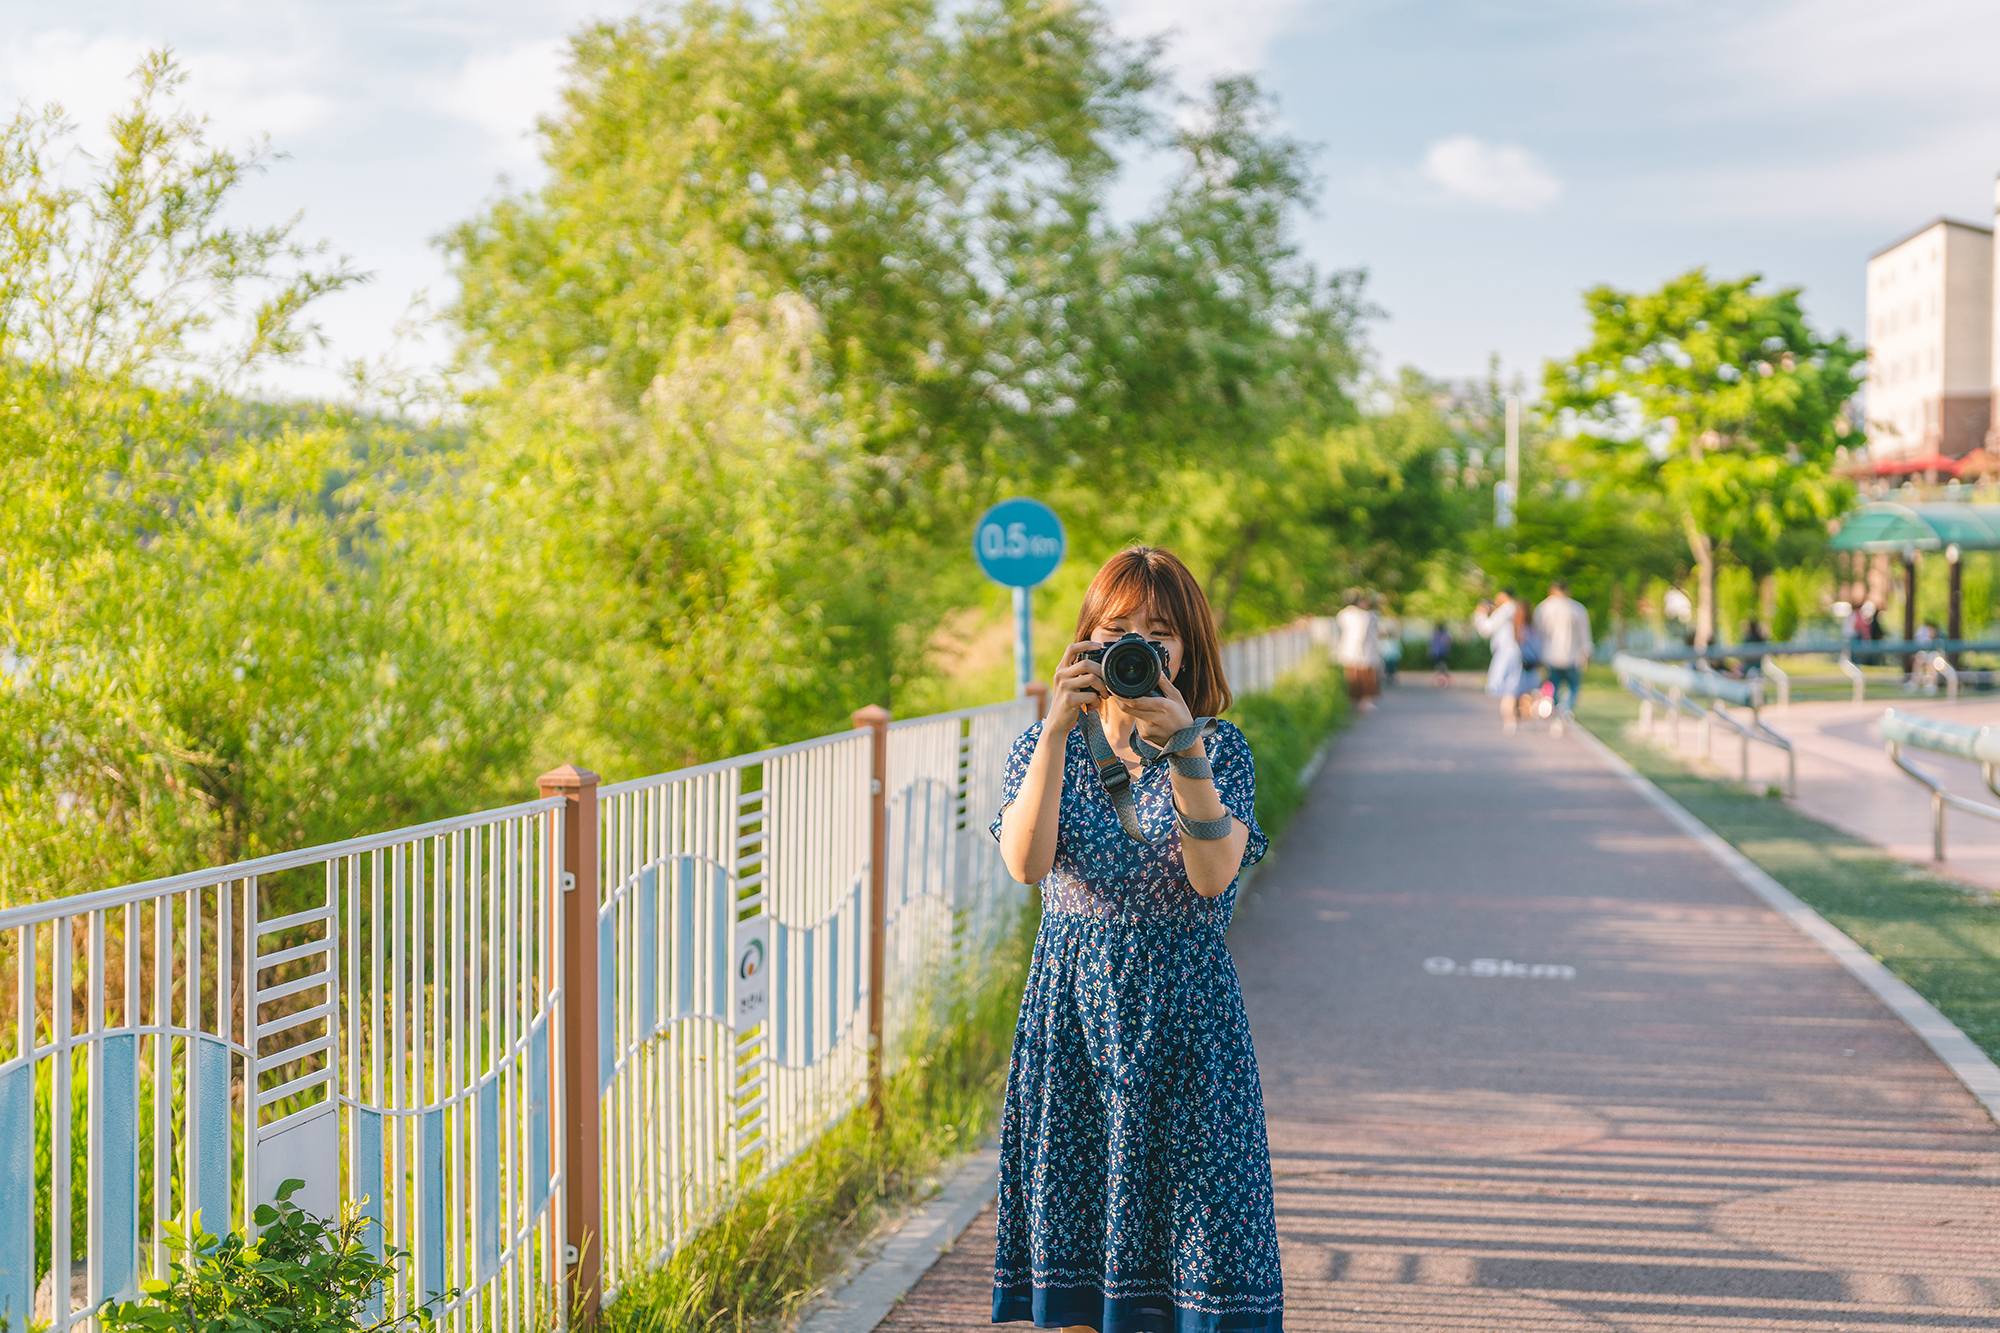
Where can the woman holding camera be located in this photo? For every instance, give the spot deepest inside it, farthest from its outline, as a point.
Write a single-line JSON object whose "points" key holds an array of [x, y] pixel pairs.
{"points": [[1135, 1180]]}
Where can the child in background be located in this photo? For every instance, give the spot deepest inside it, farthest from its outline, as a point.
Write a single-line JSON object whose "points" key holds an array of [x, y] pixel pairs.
{"points": [[1441, 657]]}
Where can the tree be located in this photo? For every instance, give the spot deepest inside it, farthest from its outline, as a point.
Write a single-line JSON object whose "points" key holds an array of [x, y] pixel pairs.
{"points": [[217, 638], [1717, 397]]}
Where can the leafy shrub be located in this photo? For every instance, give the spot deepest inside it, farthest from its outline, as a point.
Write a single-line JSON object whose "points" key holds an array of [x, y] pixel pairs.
{"points": [[304, 1274], [1284, 726]]}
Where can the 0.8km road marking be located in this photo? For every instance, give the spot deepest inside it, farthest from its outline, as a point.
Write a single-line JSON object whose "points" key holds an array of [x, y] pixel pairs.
{"points": [[1499, 967]]}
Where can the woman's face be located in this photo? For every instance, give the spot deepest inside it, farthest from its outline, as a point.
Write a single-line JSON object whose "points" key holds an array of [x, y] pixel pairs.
{"points": [[1148, 623]]}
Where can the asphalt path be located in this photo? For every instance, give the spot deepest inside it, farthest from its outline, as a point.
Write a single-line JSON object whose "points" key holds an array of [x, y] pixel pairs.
{"points": [[1533, 1060]]}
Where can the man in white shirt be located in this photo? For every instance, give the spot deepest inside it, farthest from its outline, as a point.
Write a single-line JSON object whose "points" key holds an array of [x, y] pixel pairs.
{"points": [[1564, 625]]}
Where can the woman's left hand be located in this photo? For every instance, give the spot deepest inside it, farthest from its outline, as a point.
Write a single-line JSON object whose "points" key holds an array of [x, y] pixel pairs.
{"points": [[1159, 716]]}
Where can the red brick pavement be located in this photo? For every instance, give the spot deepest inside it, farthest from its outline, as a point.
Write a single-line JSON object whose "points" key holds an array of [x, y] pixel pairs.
{"points": [[1709, 1126]]}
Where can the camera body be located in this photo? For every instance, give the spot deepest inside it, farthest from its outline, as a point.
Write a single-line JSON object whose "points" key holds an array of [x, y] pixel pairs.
{"points": [[1132, 665]]}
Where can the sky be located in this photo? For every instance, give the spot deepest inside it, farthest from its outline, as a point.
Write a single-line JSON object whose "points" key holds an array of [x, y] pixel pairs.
{"points": [[1483, 162]]}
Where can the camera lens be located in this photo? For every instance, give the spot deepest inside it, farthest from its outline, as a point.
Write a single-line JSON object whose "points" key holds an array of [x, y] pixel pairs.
{"points": [[1130, 668]]}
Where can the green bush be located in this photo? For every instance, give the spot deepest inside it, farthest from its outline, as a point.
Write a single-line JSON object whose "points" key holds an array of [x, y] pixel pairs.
{"points": [[1284, 727], [304, 1274]]}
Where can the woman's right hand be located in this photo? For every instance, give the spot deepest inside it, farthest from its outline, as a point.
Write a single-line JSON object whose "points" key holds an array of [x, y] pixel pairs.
{"points": [[1078, 685]]}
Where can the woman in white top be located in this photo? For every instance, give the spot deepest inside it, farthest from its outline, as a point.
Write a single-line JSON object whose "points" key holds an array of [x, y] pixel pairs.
{"points": [[1358, 652], [1503, 678]]}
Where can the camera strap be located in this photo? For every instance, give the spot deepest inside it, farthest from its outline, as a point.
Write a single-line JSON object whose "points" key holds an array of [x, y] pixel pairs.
{"points": [[1117, 779]]}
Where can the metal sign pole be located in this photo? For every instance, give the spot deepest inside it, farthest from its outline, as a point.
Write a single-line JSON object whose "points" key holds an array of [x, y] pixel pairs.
{"points": [[1024, 648]]}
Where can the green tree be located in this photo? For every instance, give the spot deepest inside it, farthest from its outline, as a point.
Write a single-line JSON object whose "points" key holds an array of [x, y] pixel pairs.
{"points": [[1717, 397], [206, 654]]}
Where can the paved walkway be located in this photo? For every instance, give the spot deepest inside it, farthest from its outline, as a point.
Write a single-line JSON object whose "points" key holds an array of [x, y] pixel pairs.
{"points": [[1846, 779], [1632, 1099]]}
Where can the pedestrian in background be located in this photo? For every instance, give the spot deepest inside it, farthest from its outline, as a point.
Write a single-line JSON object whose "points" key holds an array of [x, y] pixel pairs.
{"points": [[1441, 656], [1529, 691], [1358, 652], [1495, 623], [1564, 626]]}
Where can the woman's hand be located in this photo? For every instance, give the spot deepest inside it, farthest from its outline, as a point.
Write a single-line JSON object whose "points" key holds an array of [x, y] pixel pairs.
{"points": [[1077, 688], [1159, 716]]}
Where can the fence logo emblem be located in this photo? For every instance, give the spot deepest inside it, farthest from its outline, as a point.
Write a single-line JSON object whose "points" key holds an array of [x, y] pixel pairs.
{"points": [[753, 979]]}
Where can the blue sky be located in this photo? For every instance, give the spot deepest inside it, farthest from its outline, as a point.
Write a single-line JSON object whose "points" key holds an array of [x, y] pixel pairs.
{"points": [[1484, 162]]}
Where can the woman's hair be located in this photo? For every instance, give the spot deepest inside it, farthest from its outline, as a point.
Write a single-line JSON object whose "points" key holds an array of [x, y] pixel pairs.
{"points": [[1146, 576]]}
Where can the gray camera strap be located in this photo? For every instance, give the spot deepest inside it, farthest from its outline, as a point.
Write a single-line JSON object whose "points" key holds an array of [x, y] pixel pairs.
{"points": [[1117, 779]]}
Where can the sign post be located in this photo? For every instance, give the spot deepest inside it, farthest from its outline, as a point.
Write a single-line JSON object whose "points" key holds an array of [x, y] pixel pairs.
{"points": [[1018, 544]]}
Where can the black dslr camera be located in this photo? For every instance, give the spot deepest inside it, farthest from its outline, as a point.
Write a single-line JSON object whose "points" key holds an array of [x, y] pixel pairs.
{"points": [[1132, 665]]}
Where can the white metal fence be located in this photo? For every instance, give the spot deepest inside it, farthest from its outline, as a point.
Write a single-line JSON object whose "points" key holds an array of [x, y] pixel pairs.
{"points": [[1255, 664], [373, 1018], [403, 1019]]}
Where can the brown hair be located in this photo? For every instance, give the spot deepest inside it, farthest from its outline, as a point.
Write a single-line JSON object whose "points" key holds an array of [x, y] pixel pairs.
{"points": [[1147, 576]]}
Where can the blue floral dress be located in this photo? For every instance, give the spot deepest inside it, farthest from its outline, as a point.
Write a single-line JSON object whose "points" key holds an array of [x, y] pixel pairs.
{"points": [[1135, 1180]]}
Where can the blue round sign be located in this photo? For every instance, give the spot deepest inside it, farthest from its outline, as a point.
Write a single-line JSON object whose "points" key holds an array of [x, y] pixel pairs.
{"points": [[1018, 542]]}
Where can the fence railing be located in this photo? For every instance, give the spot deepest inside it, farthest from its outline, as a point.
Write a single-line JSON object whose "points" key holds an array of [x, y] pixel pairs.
{"points": [[1255, 664], [539, 1046], [372, 1017]]}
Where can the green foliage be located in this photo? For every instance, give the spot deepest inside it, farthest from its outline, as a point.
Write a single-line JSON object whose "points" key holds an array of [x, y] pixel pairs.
{"points": [[302, 1274], [1801, 596], [1717, 398], [1285, 726]]}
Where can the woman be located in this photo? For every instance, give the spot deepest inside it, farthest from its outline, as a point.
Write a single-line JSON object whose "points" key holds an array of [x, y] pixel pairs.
{"points": [[1495, 622], [1135, 1181]]}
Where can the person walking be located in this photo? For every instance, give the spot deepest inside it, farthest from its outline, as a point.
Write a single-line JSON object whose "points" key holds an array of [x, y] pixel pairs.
{"points": [[1358, 651], [1441, 656], [1135, 1176], [1564, 626], [1494, 622]]}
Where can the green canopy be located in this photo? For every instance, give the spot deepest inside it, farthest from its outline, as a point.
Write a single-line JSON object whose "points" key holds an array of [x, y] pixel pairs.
{"points": [[1887, 526]]}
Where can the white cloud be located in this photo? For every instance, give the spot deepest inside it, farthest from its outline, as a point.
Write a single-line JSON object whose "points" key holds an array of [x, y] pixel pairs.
{"points": [[1207, 39], [244, 94], [504, 92], [1501, 175]]}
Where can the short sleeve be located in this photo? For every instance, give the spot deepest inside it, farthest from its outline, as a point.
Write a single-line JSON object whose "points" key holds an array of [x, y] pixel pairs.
{"points": [[1018, 756], [1236, 783]]}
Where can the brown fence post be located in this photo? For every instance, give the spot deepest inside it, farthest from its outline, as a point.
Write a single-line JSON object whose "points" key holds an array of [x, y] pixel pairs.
{"points": [[583, 1212], [875, 718], [1039, 692]]}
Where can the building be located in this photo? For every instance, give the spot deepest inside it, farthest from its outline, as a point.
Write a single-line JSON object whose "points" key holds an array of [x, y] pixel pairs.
{"points": [[1932, 365]]}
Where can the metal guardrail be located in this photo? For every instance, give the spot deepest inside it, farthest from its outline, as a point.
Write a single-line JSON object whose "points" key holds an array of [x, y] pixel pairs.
{"points": [[1817, 648], [1960, 740], [1675, 688], [1927, 658]]}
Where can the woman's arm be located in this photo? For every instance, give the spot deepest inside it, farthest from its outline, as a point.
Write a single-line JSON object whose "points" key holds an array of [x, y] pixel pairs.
{"points": [[1211, 863], [1028, 826]]}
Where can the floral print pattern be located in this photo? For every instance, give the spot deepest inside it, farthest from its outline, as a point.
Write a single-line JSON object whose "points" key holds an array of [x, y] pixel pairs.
{"points": [[1135, 1181]]}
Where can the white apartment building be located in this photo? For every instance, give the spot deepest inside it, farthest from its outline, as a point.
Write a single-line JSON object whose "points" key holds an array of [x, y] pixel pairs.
{"points": [[1932, 365]]}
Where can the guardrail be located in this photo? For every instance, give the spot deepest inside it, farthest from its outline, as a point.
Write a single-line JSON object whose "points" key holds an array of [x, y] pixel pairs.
{"points": [[1926, 658], [1957, 739], [544, 1043], [1675, 687]]}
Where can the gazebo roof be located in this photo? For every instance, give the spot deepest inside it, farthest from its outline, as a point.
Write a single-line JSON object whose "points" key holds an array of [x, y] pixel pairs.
{"points": [[1888, 526]]}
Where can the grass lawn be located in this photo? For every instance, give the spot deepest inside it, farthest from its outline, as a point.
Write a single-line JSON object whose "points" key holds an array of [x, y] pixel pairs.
{"points": [[1929, 931]]}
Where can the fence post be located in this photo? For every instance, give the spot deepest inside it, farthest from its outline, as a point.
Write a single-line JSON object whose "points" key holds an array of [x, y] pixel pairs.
{"points": [[1039, 692], [583, 1212], [875, 718]]}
